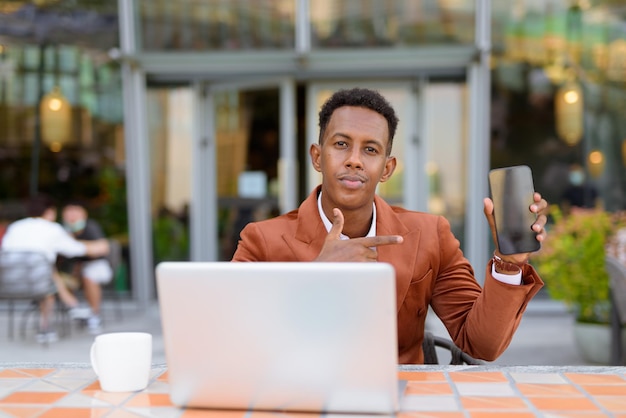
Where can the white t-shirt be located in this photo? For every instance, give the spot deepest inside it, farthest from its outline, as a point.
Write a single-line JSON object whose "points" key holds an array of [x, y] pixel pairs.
{"points": [[38, 234]]}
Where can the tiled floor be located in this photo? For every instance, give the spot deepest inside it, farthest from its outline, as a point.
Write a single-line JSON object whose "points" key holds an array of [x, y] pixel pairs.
{"points": [[518, 394], [69, 392]]}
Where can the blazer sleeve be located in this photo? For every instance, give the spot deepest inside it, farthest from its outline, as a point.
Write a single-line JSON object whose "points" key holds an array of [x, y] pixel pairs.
{"points": [[251, 245], [481, 322]]}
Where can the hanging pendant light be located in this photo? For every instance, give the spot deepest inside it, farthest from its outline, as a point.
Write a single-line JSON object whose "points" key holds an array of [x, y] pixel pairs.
{"points": [[569, 112], [56, 120], [596, 163]]}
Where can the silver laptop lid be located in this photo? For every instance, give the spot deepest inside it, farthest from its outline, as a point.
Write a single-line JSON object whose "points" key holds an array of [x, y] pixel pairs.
{"points": [[280, 336]]}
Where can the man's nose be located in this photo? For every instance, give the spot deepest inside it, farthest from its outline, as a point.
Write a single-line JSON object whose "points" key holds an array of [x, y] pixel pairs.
{"points": [[353, 159]]}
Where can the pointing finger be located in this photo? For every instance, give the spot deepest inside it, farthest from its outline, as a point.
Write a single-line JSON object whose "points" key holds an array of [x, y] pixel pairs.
{"points": [[379, 240], [335, 230]]}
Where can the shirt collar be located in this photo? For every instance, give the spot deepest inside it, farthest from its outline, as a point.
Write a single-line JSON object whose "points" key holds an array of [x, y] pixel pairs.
{"points": [[328, 224]]}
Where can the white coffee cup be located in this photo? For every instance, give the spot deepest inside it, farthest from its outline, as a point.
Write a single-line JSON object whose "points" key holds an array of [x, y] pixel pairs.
{"points": [[122, 360]]}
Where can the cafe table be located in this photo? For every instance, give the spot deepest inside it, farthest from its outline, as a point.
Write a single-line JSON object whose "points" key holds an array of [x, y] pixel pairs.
{"points": [[70, 390]]}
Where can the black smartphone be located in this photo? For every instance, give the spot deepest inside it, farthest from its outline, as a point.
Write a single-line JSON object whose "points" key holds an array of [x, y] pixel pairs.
{"points": [[512, 190]]}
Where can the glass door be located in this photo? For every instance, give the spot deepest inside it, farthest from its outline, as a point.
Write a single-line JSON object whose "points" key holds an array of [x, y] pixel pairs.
{"points": [[170, 133], [250, 131], [222, 155], [247, 135]]}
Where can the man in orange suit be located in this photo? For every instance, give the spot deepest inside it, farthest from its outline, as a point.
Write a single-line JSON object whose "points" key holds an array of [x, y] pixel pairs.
{"points": [[344, 220]]}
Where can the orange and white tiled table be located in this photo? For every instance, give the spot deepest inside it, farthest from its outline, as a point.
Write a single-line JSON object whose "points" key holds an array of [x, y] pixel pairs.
{"points": [[72, 391]]}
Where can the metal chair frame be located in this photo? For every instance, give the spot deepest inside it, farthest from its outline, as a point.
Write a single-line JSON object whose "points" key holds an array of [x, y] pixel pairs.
{"points": [[617, 276], [25, 276], [458, 357]]}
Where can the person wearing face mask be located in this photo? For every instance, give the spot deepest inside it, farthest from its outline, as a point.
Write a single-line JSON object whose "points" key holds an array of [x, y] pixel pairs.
{"points": [[40, 232], [580, 193], [92, 272]]}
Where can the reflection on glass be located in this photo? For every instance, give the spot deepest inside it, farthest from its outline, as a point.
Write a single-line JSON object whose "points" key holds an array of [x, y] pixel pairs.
{"points": [[381, 23], [170, 132], [446, 116], [229, 25], [78, 152], [247, 161], [246, 125]]}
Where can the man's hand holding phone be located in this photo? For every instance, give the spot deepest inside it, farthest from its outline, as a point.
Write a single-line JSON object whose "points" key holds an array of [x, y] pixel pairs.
{"points": [[539, 208], [516, 214]]}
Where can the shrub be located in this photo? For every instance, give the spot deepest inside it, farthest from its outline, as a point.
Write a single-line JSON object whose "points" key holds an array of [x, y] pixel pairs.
{"points": [[572, 260]]}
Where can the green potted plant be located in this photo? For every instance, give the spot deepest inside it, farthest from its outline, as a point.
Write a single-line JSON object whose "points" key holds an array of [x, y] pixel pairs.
{"points": [[572, 265]]}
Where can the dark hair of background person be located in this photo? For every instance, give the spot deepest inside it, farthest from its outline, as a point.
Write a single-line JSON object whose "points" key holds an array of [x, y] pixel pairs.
{"points": [[359, 97], [37, 205], [76, 202]]}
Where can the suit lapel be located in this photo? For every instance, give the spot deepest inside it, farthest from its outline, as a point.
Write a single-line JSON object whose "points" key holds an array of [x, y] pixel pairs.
{"points": [[402, 256], [310, 230]]}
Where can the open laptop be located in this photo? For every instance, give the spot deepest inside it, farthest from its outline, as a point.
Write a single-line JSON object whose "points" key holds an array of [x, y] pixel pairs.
{"points": [[296, 336]]}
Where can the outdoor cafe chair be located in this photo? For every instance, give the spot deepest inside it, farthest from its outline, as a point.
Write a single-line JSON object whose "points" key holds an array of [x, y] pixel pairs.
{"points": [[617, 274], [457, 356], [25, 276]]}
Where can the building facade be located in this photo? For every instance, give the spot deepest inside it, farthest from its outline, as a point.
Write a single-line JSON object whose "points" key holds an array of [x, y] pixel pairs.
{"points": [[190, 118]]}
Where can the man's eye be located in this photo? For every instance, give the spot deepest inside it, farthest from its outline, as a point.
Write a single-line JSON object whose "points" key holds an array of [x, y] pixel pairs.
{"points": [[341, 143], [371, 150]]}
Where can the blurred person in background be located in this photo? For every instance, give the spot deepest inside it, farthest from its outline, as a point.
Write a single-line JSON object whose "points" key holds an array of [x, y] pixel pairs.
{"points": [[40, 232], [580, 193], [3, 229], [90, 272]]}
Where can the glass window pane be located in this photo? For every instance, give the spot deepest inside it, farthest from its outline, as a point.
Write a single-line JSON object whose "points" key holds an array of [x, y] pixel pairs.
{"points": [[170, 132], [393, 189], [68, 59], [446, 113], [30, 91], [542, 51], [247, 137], [88, 100], [229, 25], [49, 59], [382, 23], [69, 88], [86, 72], [105, 76], [30, 57]]}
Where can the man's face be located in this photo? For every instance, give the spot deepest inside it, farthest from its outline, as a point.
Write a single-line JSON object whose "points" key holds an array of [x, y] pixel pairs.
{"points": [[74, 217], [353, 157]]}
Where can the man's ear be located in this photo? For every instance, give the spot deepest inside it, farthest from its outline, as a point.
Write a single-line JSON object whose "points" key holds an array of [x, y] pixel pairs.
{"points": [[316, 152], [390, 167]]}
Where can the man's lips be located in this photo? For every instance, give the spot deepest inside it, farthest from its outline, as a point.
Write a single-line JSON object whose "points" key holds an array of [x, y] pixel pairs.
{"points": [[352, 181]]}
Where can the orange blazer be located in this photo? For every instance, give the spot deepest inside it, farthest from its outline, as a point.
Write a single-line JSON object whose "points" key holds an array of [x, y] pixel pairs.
{"points": [[430, 270]]}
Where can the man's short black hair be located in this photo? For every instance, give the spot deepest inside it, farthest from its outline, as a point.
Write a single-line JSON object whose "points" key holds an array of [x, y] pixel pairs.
{"points": [[359, 97]]}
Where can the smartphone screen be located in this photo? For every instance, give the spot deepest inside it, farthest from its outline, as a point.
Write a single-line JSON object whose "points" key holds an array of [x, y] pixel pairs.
{"points": [[512, 190]]}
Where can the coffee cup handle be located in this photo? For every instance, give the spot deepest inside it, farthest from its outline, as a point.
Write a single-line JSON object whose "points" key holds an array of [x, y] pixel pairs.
{"points": [[92, 356]]}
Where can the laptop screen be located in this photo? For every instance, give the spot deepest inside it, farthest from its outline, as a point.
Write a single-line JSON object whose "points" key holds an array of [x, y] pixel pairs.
{"points": [[280, 336]]}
